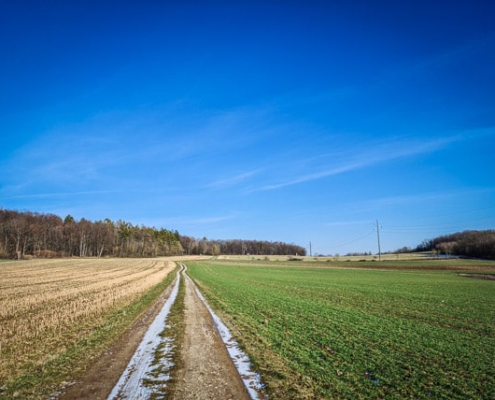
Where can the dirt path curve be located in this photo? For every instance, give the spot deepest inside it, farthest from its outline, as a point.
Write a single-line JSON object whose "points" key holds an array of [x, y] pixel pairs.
{"points": [[208, 372]]}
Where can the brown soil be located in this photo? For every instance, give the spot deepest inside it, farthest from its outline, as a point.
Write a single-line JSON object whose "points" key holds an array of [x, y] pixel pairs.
{"points": [[206, 371], [478, 276]]}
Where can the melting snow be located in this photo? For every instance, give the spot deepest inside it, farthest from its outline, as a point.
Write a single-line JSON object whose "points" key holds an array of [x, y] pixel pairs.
{"points": [[141, 369], [130, 384], [252, 380]]}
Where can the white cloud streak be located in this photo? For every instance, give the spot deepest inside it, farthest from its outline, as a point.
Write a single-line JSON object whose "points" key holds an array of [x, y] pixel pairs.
{"points": [[234, 180], [191, 221], [433, 198], [369, 155]]}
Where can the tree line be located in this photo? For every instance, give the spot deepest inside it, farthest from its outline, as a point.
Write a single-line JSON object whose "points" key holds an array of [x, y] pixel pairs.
{"points": [[476, 244], [239, 247], [46, 235], [30, 234]]}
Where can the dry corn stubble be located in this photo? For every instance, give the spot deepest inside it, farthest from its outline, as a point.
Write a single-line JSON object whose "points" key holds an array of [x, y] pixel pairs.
{"points": [[45, 305]]}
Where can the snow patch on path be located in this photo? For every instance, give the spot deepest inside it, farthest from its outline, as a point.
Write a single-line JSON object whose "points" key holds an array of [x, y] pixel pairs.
{"points": [[252, 380], [130, 384]]}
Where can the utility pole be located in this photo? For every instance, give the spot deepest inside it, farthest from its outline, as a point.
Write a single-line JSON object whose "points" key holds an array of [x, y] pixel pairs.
{"points": [[378, 237], [310, 249]]}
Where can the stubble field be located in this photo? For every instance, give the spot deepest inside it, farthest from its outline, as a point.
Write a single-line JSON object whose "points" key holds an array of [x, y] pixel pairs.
{"points": [[56, 315]]}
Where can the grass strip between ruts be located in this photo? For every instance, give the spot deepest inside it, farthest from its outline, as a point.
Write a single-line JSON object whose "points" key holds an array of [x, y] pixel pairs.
{"points": [[169, 363]]}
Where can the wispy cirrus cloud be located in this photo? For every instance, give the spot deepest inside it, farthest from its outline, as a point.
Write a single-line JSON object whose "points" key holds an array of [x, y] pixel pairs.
{"points": [[367, 155], [86, 153], [311, 177], [187, 221], [234, 180], [413, 200]]}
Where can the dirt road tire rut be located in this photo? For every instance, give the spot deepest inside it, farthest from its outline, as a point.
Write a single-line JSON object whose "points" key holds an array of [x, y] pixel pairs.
{"points": [[205, 370], [208, 372]]}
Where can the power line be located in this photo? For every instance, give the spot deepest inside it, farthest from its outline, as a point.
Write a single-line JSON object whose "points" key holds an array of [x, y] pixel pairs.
{"points": [[349, 241], [378, 237]]}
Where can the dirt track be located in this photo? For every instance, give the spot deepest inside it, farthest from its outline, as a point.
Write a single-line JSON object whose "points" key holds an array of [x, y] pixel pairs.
{"points": [[206, 370], [99, 380]]}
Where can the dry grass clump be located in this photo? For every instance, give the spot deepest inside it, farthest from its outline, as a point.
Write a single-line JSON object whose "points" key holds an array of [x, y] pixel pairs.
{"points": [[46, 305]]}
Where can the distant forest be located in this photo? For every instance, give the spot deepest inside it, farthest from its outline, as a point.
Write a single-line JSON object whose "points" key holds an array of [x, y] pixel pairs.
{"points": [[29, 234], [475, 244]]}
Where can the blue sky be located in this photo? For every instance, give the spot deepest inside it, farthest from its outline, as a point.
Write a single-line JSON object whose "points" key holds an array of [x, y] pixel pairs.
{"points": [[276, 120]]}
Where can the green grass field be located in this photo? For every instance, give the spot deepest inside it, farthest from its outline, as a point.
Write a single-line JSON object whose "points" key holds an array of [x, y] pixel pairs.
{"points": [[318, 331]]}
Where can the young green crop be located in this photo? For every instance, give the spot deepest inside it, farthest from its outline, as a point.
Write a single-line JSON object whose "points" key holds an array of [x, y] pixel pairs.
{"points": [[359, 333]]}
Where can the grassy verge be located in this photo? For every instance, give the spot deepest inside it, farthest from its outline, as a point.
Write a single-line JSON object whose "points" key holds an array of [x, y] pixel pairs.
{"points": [[317, 333], [40, 381], [176, 332]]}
